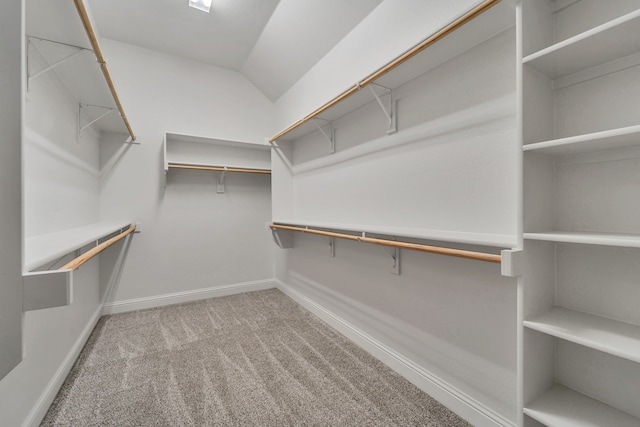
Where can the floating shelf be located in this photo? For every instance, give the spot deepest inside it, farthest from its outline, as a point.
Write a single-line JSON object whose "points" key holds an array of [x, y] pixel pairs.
{"points": [[613, 40], [562, 407], [606, 335], [199, 151], [45, 248], [606, 239], [597, 141]]}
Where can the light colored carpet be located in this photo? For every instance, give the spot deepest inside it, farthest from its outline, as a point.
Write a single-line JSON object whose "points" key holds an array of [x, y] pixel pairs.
{"points": [[254, 359]]}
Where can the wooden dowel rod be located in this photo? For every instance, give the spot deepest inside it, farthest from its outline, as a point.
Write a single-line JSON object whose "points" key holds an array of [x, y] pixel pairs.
{"points": [[395, 63], [77, 262], [93, 38], [479, 256], [318, 232], [347, 93], [218, 168]]}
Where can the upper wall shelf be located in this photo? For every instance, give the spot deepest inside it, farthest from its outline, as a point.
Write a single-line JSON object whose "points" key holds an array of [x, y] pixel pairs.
{"points": [[613, 40], [201, 153], [61, 39], [461, 35]]}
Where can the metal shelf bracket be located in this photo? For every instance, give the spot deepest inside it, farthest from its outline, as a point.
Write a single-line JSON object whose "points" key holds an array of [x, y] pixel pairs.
{"points": [[81, 126], [394, 253], [330, 136], [220, 183], [332, 246], [389, 110], [31, 45]]}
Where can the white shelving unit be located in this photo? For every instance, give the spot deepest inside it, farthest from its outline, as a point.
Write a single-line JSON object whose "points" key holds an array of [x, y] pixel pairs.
{"points": [[580, 71]]}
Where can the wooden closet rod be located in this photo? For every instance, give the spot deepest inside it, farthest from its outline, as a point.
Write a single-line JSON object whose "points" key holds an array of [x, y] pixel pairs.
{"points": [[86, 22], [479, 256], [218, 168], [77, 262], [438, 35]]}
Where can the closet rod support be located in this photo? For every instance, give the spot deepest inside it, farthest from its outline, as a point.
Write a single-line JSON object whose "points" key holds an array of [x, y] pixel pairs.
{"points": [[330, 136], [82, 127], [220, 183], [388, 111], [49, 67]]}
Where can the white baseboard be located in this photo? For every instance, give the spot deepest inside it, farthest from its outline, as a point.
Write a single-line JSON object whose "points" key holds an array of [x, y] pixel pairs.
{"points": [[186, 296], [461, 403], [41, 407]]}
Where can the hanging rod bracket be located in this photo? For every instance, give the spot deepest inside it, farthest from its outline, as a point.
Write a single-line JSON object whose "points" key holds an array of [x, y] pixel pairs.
{"points": [[220, 183], [330, 136], [31, 45], [332, 246], [394, 253], [388, 110], [82, 127], [283, 238]]}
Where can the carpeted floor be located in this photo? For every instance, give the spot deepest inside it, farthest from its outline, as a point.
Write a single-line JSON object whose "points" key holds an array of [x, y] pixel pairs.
{"points": [[254, 359]]}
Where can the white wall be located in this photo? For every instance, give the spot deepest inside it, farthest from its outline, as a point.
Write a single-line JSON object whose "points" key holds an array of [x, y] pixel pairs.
{"points": [[192, 238], [451, 317], [61, 183]]}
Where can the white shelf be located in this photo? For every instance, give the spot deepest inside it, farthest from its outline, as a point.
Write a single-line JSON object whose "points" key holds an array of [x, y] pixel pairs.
{"points": [[606, 239], [480, 239], [613, 40], [45, 248], [204, 151], [606, 335], [597, 141], [562, 407]]}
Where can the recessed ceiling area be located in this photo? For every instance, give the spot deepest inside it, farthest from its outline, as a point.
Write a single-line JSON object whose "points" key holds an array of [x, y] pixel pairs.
{"points": [[272, 42]]}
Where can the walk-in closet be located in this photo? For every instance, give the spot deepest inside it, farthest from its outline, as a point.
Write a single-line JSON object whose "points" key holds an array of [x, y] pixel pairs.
{"points": [[320, 212]]}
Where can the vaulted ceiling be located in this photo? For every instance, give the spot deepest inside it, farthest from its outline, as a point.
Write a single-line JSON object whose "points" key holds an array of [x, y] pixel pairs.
{"points": [[272, 42]]}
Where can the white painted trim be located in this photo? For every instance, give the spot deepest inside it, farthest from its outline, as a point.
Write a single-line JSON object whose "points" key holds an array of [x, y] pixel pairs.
{"points": [[180, 297], [39, 410], [461, 403]]}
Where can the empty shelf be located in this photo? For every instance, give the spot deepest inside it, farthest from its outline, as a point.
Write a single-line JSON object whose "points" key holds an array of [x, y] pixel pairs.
{"points": [[45, 248], [610, 336], [604, 140], [613, 40], [562, 407], [606, 239]]}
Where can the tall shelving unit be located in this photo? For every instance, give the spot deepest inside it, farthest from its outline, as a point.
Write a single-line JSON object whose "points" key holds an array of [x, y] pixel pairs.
{"points": [[581, 143]]}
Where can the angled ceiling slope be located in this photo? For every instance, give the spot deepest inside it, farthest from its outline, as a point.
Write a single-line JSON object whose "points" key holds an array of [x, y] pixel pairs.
{"points": [[272, 42]]}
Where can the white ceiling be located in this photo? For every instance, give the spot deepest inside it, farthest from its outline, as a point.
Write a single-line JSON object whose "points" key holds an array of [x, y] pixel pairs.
{"points": [[272, 42]]}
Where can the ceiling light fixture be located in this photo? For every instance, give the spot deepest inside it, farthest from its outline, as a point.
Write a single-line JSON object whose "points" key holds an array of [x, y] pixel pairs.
{"points": [[203, 5]]}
